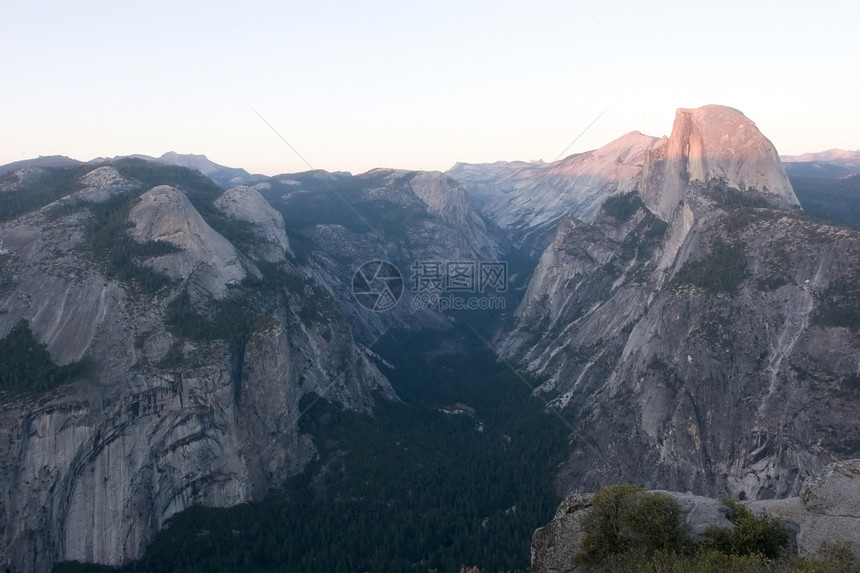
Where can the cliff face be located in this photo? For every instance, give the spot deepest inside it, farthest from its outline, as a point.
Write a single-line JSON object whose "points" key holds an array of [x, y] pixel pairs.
{"points": [[713, 143], [528, 200], [698, 335], [164, 415], [342, 221]]}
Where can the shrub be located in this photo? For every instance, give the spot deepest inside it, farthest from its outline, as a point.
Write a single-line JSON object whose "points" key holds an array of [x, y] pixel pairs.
{"points": [[624, 516], [635, 531], [753, 535]]}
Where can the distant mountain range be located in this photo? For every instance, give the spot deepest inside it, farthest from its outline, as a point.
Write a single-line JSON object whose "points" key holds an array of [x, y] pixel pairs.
{"points": [[841, 157], [225, 177]]}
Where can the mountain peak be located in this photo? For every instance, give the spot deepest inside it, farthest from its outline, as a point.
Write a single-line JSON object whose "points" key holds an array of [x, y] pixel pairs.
{"points": [[714, 142]]}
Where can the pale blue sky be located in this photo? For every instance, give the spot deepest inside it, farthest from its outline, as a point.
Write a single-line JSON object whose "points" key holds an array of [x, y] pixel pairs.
{"points": [[355, 86]]}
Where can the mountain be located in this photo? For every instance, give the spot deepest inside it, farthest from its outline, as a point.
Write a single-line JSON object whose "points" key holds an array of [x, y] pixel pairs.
{"points": [[225, 177], [149, 360], [699, 331], [45, 161], [339, 222], [666, 313], [827, 184], [841, 157], [527, 200], [181, 326]]}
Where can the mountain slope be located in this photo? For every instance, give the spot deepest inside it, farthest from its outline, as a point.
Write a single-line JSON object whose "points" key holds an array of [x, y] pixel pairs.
{"points": [[698, 333], [528, 200], [338, 222], [828, 184], [224, 177], [44, 161], [190, 362]]}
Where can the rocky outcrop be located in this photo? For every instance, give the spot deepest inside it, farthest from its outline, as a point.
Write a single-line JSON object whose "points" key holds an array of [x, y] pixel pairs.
{"points": [[555, 545], [689, 331], [270, 237], [204, 256], [713, 143], [828, 511]]}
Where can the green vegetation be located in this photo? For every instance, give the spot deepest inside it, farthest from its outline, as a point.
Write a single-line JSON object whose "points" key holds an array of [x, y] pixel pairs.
{"points": [[7, 281], [43, 188], [723, 270], [635, 531], [665, 373], [643, 242], [851, 383], [624, 516], [761, 535], [622, 207], [410, 488], [839, 305], [107, 238], [733, 199], [234, 320], [25, 364]]}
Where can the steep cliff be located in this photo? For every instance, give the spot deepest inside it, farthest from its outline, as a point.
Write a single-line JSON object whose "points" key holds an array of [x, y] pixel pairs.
{"points": [[191, 375], [699, 332]]}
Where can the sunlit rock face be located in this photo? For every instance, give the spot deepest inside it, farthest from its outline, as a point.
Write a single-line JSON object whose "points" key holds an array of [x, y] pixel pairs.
{"points": [[713, 143], [528, 200], [691, 331]]}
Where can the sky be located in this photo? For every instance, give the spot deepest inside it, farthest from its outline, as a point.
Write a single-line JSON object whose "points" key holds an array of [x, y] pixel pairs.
{"points": [[414, 85]]}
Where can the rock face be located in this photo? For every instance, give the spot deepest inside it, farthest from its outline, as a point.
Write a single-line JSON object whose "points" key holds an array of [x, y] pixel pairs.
{"points": [[270, 237], [204, 256], [828, 510], [403, 217], [162, 419], [528, 200], [713, 143], [697, 335]]}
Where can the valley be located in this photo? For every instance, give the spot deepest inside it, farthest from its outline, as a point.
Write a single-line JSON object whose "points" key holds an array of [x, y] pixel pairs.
{"points": [[192, 382]]}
